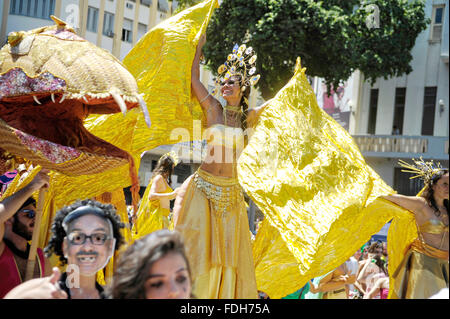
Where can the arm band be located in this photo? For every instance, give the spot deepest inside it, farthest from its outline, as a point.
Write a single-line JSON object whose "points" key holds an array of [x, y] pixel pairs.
{"points": [[204, 99]]}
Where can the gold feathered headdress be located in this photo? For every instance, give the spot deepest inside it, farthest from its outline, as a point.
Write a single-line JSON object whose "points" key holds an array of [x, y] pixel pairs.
{"points": [[241, 61], [424, 170]]}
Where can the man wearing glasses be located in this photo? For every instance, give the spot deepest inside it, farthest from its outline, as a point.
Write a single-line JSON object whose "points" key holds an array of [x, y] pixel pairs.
{"points": [[17, 216], [84, 236]]}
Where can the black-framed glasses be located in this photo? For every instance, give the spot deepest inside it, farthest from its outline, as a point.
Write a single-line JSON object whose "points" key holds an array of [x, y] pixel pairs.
{"points": [[80, 238], [29, 213]]}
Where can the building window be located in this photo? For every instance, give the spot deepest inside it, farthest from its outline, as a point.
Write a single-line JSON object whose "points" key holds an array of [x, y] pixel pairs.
{"points": [[127, 31], [399, 111], [41, 9], [142, 30], [429, 108], [163, 6], [437, 20], [404, 185], [373, 106], [147, 3], [108, 24], [92, 19]]}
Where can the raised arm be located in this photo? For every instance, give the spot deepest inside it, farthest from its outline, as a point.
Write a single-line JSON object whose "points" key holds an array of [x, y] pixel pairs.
{"points": [[10, 205], [362, 273], [206, 100], [414, 204]]}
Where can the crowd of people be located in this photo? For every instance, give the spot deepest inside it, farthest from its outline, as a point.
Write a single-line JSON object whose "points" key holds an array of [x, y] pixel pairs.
{"points": [[363, 276], [86, 234]]}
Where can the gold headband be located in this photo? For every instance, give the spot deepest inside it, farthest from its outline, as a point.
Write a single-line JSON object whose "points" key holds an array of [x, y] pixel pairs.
{"points": [[173, 156]]}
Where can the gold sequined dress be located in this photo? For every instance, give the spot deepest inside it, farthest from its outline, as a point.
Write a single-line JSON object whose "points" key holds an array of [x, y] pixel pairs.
{"points": [[212, 219]]}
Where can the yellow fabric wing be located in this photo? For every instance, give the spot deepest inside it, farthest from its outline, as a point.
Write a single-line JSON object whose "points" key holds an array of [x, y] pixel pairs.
{"points": [[165, 80], [306, 174], [402, 232]]}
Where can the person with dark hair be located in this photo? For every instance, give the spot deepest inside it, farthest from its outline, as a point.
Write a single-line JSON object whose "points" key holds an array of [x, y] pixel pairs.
{"points": [[84, 236], [153, 267], [210, 210], [366, 267], [380, 287], [154, 210], [17, 216], [375, 249], [424, 269], [373, 269]]}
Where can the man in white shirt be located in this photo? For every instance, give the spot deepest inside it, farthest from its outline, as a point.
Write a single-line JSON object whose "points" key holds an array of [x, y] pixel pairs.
{"points": [[352, 265]]}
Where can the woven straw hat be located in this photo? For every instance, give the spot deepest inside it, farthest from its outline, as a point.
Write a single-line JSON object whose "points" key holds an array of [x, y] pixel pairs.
{"points": [[70, 65]]}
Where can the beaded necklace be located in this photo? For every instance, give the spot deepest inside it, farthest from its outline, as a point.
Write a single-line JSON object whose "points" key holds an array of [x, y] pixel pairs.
{"points": [[237, 110]]}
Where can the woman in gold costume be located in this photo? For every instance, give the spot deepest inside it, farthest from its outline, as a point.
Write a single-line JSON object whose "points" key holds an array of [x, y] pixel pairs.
{"points": [[210, 210], [424, 269], [153, 213]]}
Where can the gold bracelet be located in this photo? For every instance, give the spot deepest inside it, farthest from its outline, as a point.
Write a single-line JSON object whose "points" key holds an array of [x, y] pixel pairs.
{"points": [[203, 100]]}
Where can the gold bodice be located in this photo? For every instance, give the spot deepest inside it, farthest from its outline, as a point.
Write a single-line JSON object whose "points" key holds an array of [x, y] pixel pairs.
{"points": [[433, 226]]}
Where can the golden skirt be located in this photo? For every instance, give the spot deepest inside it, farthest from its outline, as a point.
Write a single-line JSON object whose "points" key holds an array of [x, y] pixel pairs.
{"points": [[150, 215], [421, 274], [154, 218], [217, 243]]}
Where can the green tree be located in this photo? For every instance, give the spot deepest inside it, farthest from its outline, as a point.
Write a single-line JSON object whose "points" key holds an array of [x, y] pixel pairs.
{"points": [[332, 37]]}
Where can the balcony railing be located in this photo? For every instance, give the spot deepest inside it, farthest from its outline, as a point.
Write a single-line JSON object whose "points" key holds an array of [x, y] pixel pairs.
{"points": [[434, 147]]}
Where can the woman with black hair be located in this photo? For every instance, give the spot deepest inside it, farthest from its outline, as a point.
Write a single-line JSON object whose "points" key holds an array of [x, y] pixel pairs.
{"points": [[84, 236], [210, 210], [424, 269], [373, 269], [379, 285], [154, 210]]}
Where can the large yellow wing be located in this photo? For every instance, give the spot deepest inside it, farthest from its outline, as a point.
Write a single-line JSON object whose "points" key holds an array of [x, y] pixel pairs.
{"points": [[306, 174]]}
